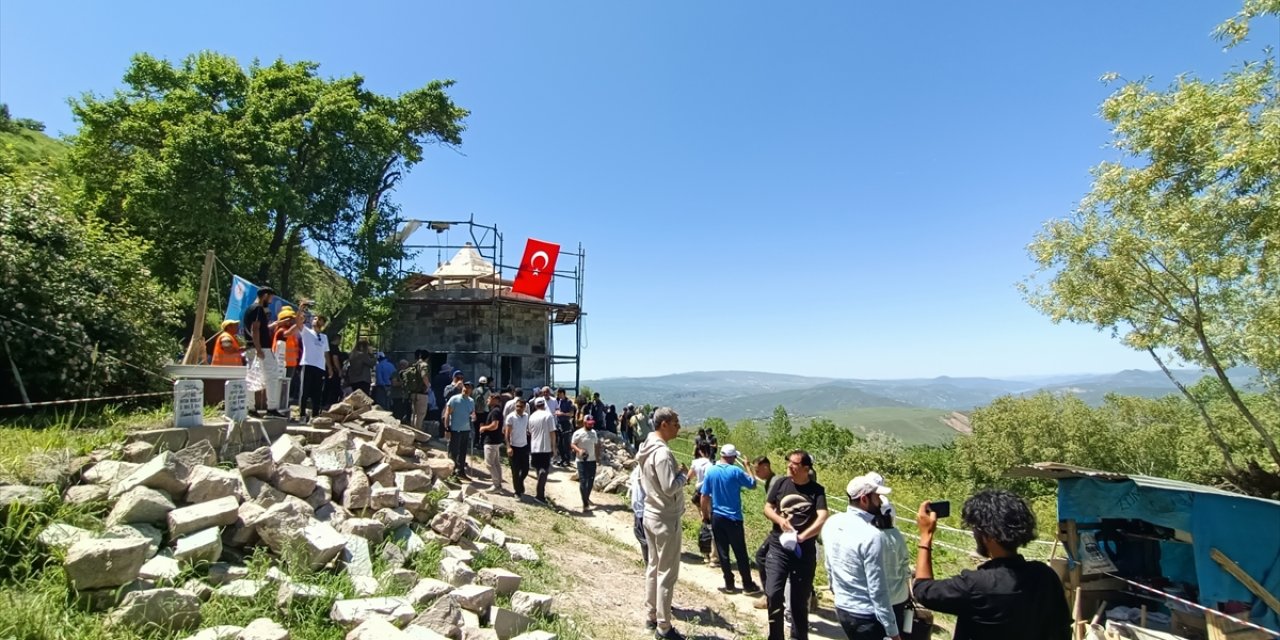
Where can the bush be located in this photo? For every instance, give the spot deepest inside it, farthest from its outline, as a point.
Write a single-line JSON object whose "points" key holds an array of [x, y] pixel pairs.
{"points": [[80, 315]]}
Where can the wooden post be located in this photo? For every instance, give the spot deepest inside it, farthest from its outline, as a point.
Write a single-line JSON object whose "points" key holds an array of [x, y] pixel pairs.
{"points": [[195, 350], [1077, 620], [1247, 580]]}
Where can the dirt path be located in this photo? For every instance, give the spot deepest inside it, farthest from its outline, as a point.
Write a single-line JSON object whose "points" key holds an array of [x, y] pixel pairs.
{"points": [[599, 552]]}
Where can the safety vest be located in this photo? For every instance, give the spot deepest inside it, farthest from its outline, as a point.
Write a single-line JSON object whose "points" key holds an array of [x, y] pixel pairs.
{"points": [[229, 357], [292, 347]]}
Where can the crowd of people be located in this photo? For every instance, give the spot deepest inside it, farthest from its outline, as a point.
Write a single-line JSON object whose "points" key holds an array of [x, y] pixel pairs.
{"points": [[875, 584]]}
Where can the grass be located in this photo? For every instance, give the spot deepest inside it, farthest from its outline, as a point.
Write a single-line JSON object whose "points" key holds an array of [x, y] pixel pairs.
{"points": [[911, 425], [32, 146]]}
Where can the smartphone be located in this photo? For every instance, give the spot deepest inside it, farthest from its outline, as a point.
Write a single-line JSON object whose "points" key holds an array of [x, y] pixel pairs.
{"points": [[941, 507]]}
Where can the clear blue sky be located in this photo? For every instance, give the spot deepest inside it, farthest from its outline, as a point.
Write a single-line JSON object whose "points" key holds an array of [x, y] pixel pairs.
{"points": [[826, 188]]}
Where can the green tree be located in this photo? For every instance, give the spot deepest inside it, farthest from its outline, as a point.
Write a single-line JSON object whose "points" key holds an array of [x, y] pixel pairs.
{"points": [[258, 164], [80, 315], [1172, 250], [824, 439], [746, 436], [778, 435], [717, 426]]}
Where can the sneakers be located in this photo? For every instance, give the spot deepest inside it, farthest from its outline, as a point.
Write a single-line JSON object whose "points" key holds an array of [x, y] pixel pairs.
{"points": [[751, 588], [728, 588], [669, 634]]}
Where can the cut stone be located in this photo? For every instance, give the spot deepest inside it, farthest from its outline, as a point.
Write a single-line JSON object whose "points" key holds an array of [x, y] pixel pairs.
{"points": [[220, 632], [451, 523], [286, 451], [200, 453], [364, 454], [225, 572], [355, 556], [399, 580], [412, 632], [534, 605], [153, 535], [382, 474], [163, 472], [295, 479], [393, 555], [261, 492], [210, 483], [332, 456], [457, 553], [412, 542], [441, 469], [480, 509], [104, 562], [364, 586], [474, 597], [242, 589], [161, 570], [140, 504], [456, 572], [444, 617], [323, 543], [220, 512], [263, 629], [61, 536], [376, 629], [280, 524], [351, 613], [293, 592], [427, 590], [521, 552], [367, 528], [333, 513], [85, 494], [358, 491], [415, 480], [256, 464], [384, 498], [503, 582], [394, 435], [201, 546], [507, 623], [109, 472], [165, 608], [202, 590], [240, 533], [416, 503], [493, 535], [393, 518]]}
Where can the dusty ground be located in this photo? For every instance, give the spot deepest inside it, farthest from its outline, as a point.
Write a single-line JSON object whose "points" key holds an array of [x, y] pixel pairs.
{"points": [[599, 553]]}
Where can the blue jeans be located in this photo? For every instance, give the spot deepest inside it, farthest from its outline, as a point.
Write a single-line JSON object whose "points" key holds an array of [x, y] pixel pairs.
{"points": [[586, 480]]}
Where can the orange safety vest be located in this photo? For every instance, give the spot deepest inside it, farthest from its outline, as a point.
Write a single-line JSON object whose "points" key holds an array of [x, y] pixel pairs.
{"points": [[292, 347], [226, 357]]}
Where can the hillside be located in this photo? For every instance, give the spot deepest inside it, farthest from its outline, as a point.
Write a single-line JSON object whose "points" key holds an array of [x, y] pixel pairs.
{"points": [[32, 146]]}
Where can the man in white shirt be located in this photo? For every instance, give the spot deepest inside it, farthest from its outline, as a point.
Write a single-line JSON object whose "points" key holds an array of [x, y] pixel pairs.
{"points": [[542, 442], [855, 565], [315, 352], [517, 395], [586, 449], [517, 433]]}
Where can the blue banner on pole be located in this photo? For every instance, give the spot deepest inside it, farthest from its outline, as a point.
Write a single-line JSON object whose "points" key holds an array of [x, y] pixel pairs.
{"points": [[243, 295]]}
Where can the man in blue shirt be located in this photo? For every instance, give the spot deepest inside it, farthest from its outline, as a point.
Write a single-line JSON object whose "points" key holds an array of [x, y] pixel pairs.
{"points": [[382, 374], [855, 564], [459, 413], [722, 504]]}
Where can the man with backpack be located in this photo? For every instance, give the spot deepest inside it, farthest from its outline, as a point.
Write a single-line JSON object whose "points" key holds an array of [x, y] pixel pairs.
{"points": [[416, 379]]}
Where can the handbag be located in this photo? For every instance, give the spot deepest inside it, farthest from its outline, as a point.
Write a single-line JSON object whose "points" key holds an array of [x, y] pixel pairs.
{"points": [[917, 622]]}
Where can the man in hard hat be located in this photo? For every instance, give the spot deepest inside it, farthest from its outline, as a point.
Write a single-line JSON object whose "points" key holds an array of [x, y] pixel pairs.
{"points": [[288, 349], [227, 351]]}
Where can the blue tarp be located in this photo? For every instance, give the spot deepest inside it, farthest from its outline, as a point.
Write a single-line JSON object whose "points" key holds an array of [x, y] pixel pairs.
{"points": [[1245, 529], [243, 295]]}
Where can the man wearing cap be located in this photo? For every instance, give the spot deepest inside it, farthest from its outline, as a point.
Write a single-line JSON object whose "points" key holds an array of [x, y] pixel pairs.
{"points": [[459, 413], [288, 351], [855, 564], [722, 504], [481, 397], [542, 442], [586, 448], [797, 506], [226, 347]]}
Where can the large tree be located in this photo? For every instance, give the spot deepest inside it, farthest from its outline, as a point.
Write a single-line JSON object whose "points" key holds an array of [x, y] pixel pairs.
{"points": [[1174, 250], [259, 164]]}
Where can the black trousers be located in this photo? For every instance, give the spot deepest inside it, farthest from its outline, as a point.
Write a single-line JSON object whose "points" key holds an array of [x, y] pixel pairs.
{"points": [[761, 554], [640, 537], [785, 569], [312, 389], [860, 627], [586, 480], [365, 386], [542, 465], [459, 444], [729, 534], [562, 445], [519, 467]]}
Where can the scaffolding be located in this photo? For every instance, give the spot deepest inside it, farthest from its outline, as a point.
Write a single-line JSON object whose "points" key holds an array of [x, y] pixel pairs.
{"points": [[563, 304]]}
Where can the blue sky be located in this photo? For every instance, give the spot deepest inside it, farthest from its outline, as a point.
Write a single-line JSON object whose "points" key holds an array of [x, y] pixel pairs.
{"points": [[825, 188]]}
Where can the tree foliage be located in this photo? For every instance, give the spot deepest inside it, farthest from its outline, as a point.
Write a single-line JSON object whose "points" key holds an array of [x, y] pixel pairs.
{"points": [[717, 426], [778, 434], [1174, 249], [259, 164], [80, 315], [824, 439]]}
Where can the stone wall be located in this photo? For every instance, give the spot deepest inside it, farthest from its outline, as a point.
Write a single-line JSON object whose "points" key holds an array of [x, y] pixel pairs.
{"points": [[458, 321]]}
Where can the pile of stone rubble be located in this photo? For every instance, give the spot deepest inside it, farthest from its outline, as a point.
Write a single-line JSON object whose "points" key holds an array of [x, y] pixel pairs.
{"points": [[323, 496]]}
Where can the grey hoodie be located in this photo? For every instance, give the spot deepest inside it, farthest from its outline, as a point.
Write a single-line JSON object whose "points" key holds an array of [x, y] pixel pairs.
{"points": [[661, 479]]}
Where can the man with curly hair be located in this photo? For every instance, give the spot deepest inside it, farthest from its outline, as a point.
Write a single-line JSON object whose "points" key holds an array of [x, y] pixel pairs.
{"points": [[1007, 597]]}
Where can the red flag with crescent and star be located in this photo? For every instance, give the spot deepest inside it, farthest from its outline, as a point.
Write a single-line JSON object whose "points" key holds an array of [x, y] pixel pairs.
{"points": [[536, 268]]}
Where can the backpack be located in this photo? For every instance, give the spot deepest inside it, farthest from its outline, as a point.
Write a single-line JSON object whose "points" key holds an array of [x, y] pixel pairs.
{"points": [[412, 378]]}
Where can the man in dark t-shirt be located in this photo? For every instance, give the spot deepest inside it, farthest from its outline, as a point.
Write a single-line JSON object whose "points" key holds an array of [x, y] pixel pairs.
{"points": [[492, 437], [1007, 597], [797, 507], [257, 321]]}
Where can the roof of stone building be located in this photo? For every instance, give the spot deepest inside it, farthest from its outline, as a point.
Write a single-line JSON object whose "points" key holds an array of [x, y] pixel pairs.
{"points": [[467, 263]]}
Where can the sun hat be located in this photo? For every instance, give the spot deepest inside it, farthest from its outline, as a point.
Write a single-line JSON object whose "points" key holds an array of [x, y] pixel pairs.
{"points": [[865, 485]]}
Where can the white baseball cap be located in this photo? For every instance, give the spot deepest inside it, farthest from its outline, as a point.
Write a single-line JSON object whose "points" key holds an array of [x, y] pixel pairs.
{"points": [[484, 380], [728, 451], [866, 485]]}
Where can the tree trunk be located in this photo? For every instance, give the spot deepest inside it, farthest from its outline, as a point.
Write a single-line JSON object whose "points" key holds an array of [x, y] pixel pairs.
{"points": [[1230, 389], [1214, 435]]}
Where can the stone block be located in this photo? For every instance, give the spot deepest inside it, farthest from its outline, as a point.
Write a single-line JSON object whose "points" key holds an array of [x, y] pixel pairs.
{"points": [[170, 609], [61, 536], [202, 546], [457, 553], [162, 472], [384, 498], [286, 451], [219, 512], [243, 589], [493, 535], [504, 582], [427, 590], [291, 593], [398, 580], [355, 556], [393, 518], [367, 528], [393, 435], [412, 632], [375, 629], [332, 456], [141, 505], [261, 492], [441, 469], [474, 597], [444, 617], [137, 452], [241, 533], [521, 552], [507, 623], [199, 450], [221, 573], [364, 454], [109, 472], [451, 523], [160, 439], [160, 570], [358, 491], [410, 541], [456, 572], [256, 464], [382, 474], [210, 483], [263, 629], [85, 494], [280, 524], [294, 479], [153, 535], [352, 613], [534, 605], [309, 435], [220, 632], [322, 543], [416, 481], [104, 562]]}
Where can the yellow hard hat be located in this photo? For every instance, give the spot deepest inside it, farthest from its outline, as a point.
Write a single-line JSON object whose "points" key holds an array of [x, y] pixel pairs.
{"points": [[227, 323], [286, 312]]}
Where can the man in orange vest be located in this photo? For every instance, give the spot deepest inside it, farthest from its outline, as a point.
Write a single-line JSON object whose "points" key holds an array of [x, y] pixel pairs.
{"points": [[226, 347], [287, 346]]}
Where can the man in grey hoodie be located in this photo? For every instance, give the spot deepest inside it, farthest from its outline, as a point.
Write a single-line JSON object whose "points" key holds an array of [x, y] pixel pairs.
{"points": [[663, 480]]}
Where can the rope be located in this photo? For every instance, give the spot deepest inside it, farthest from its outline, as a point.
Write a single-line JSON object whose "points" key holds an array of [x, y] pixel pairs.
{"points": [[52, 403], [1196, 605], [86, 348]]}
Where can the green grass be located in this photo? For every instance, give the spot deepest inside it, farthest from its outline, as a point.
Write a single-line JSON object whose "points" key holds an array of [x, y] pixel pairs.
{"points": [[911, 425], [33, 146]]}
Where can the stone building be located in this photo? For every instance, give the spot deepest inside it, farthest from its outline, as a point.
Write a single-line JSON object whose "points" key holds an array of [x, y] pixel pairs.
{"points": [[466, 315]]}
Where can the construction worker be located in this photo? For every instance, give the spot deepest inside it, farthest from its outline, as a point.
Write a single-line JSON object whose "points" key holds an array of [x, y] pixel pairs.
{"points": [[226, 346], [288, 349]]}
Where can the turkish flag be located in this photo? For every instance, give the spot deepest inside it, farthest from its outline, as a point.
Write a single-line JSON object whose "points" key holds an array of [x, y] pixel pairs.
{"points": [[536, 268]]}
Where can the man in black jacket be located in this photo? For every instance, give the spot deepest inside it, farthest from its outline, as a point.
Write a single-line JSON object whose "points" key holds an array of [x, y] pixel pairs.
{"points": [[1007, 597]]}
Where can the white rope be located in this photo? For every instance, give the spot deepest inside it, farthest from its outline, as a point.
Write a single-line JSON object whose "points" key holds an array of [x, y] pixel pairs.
{"points": [[1195, 605]]}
